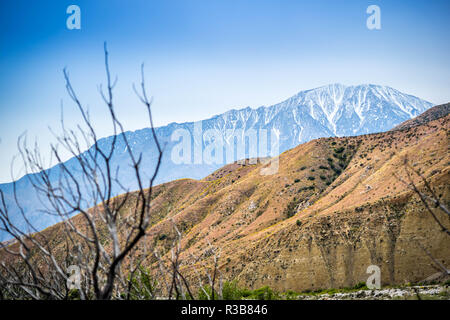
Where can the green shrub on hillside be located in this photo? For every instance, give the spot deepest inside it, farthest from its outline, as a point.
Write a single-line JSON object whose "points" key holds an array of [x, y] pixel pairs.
{"points": [[291, 209], [143, 286], [230, 291], [264, 293]]}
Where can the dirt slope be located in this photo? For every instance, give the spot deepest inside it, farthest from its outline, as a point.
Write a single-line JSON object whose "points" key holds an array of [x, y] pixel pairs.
{"points": [[334, 207], [431, 114]]}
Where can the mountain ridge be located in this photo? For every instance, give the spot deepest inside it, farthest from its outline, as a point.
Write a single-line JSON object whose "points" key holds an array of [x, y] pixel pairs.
{"points": [[333, 110], [431, 114], [335, 206]]}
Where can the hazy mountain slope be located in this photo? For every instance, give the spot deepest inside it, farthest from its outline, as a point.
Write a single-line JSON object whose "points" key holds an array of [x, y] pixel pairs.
{"points": [[322, 112], [334, 207], [355, 110], [431, 114]]}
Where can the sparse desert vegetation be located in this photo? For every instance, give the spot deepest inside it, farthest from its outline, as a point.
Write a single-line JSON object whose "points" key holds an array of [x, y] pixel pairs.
{"points": [[335, 206]]}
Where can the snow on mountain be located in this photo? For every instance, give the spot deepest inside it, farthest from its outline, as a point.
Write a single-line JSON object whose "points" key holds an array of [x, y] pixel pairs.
{"points": [[332, 110], [353, 110]]}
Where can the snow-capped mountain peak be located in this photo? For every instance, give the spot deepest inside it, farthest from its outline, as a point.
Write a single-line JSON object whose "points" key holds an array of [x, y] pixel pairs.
{"points": [[367, 108], [332, 110]]}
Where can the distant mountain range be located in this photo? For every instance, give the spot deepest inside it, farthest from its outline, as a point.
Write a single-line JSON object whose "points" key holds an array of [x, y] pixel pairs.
{"points": [[335, 207], [332, 110], [431, 114]]}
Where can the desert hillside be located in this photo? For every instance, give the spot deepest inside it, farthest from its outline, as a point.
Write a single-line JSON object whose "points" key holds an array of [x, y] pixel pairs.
{"points": [[335, 206], [431, 114]]}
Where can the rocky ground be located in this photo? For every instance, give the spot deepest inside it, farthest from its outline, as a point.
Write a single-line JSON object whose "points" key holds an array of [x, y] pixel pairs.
{"points": [[434, 292]]}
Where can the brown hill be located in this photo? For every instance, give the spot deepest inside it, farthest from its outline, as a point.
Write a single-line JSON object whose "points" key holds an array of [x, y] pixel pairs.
{"points": [[334, 207], [364, 217], [431, 114]]}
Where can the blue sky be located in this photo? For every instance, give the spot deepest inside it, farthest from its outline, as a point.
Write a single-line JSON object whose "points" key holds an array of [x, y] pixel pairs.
{"points": [[204, 57]]}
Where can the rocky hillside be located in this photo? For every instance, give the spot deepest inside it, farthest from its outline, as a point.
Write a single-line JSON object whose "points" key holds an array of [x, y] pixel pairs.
{"points": [[431, 114], [334, 207], [332, 110]]}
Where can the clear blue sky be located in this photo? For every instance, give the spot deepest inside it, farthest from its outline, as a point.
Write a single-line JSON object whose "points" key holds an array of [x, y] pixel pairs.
{"points": [[204, 57]]}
